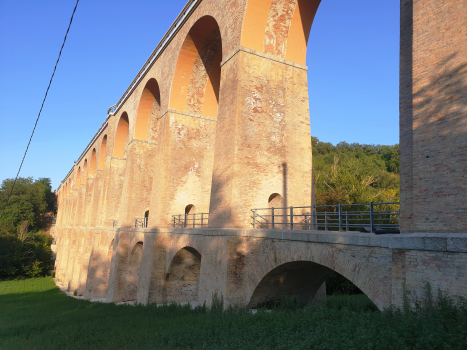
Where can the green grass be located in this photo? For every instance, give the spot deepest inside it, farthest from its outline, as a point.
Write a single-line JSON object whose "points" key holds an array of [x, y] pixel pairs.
{"points": [[34, 314]]}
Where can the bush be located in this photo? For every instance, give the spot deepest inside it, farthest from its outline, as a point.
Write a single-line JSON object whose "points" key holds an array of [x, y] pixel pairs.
{"points": [[24, 254]]}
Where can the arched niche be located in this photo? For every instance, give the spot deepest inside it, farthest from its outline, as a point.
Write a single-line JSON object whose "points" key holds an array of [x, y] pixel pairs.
{"points": [[134, 265], [102, 153], [182, 278], [92, 165], [195, 86], [78, 178], [121, 136], [85, 173], [149, 104]]}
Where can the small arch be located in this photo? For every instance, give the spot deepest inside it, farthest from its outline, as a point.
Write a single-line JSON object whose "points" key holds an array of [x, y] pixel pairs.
{"points": [[92, 165], [275, 200], [146, 218], [102, 153], [190, 209], [121, 136], [182, 279], [149, 103], [134, 265], [78, 178], [84, 176]]}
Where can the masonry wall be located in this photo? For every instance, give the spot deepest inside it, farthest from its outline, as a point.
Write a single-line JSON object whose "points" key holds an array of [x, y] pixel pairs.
{"points": [[191, 265], [433, 116], [257, 144]]}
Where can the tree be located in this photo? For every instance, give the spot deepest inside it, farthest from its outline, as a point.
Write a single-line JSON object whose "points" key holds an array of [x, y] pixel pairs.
{"points": [[24, 249], [29, 201], [355, 173]]}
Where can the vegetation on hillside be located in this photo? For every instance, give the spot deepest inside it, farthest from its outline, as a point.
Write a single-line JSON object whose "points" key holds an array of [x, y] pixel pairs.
{"points": [[34, 314], [24, 217], [355, 173]]}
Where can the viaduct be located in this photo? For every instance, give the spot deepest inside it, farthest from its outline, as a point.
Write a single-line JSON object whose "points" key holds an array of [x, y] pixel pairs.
{"points": [[217, 122]]}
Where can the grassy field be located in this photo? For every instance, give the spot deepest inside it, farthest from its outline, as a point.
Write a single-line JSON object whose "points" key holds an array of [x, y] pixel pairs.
{"points": [[34, 314]]}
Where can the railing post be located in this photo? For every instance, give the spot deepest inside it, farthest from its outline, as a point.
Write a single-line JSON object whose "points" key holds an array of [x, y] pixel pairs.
{"points": [[202, 219], [371, 217], [314, 217], [254, 218], [186, 220], [179, 218], [325, 221], [173, 217], [291, 218], [194, 219], [398, 219], [340, 217], [272, 217], [346, 222]]}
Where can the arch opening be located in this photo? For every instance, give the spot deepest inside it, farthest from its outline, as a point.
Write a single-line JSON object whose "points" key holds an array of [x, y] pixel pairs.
{"points": [[149, 107], [102, 153], [92, 164], [78, 178], [121, 136], [134, 265], [305, 281], [85, 175], [195, 88], [182, 279], [190, 209]]}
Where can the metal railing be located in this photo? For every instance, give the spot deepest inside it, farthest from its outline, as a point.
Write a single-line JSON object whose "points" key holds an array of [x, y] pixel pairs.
{"points": [[367, 217], [141, 222], [114, 223], [197, 220]]}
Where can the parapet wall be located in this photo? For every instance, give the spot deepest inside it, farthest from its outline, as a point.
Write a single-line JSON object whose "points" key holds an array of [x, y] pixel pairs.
{"points": [[189, 265]]}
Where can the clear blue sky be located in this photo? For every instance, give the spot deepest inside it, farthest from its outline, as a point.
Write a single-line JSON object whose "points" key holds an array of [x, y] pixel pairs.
{"points": [[353, 60]]}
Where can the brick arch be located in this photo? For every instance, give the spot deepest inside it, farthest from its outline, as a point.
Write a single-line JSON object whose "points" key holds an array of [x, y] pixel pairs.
{"points": [[279, 28], [149, 103], [182, 241], [363, 271], [102, 153], [121, 136], [196, 82], [183, 276], [85, 173], [92, 164], [78, 178]]}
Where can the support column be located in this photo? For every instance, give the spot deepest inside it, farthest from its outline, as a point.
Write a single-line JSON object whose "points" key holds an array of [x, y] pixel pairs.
{"points": [[433, 116], [263, 142], [183, 166]]}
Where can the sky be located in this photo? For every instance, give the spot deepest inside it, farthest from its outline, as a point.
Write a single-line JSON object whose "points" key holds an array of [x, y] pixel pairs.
{"points": [[352, 59]]}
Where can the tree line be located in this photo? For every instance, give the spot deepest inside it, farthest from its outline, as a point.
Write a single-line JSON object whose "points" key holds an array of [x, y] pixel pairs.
{"points": [[25, 216], [355, 173]]}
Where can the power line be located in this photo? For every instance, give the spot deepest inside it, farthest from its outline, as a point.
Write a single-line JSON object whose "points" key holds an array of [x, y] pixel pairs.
{"points": [[43, 101]]}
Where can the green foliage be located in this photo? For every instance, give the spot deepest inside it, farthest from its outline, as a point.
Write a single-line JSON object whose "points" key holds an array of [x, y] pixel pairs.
{"points": [[355, 173], [24, 247], [29, 201], [34, 314], [23, 253]]}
